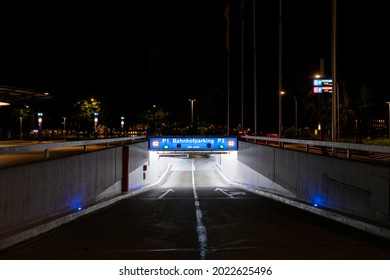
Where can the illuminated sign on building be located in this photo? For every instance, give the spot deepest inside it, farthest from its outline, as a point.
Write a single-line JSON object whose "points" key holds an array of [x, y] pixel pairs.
{"points": [[193, 144], [322, 85]]}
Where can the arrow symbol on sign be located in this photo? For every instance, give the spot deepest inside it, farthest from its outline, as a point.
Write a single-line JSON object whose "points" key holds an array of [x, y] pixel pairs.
{"points": [[229, 194], [164, 193]]}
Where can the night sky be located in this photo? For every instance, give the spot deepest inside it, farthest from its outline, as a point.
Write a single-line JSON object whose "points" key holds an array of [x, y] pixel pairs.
{"points": [[131, 55]]}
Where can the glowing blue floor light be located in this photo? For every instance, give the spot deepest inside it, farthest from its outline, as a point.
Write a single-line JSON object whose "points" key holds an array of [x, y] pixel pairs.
{"points": [[76, 204], [317, 201]]}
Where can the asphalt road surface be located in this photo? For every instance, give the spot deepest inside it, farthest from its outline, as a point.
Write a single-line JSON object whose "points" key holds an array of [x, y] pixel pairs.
{"points": [[194, 214]]}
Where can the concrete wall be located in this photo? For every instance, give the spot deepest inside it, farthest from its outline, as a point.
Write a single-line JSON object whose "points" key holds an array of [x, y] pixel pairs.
{"points": [[42, 191], [156, 166], [352, 187], [34, 193]]}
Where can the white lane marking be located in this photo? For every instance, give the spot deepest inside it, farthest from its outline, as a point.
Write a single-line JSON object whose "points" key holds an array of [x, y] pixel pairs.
{"points": [[229, 194], [201, 229], [165, 193]]}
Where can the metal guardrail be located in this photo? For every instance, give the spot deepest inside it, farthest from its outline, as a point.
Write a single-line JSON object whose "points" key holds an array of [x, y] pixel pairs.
{"points": [[26, 148], [326, 144]]}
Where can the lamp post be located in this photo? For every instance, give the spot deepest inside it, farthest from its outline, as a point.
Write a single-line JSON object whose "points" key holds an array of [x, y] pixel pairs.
{"points": [[154, 117], [192, 109], [122, 125], [334, 79], [64, 131], [389, 118], [95, 120], [280, 128], [281, 93], [21, 127], [296, 112], [40, 119], [296, 108]]}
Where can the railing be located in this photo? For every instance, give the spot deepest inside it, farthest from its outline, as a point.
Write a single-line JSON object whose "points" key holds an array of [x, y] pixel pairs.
{"points": [[309, 144], [274, 141], [26, 148]]}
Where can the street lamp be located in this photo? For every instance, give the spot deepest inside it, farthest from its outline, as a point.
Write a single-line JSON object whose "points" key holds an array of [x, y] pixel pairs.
{"points": [[122, 125], [95, 120], [296, 108], [389, 118], [280, 128], [21, 127], [281, 93], [64, 131], [154, 117], [4, 103], [40, 119], [192, 109]]}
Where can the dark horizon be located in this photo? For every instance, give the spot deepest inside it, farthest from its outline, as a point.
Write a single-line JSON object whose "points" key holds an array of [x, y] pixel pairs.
{"points": [[165, 53]]}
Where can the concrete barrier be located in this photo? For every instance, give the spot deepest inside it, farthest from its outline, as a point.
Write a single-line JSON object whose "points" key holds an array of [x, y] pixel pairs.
{"points": [[355, 189], [40, 196]]}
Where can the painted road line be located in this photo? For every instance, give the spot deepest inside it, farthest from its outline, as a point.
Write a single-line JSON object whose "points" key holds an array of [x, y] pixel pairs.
{"points": [[201, 229], [164, 193], [229, 194]]}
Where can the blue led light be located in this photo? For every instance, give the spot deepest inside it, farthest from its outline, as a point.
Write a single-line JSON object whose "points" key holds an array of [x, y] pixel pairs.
{"points": [[76, 204], [134, 187], [318, 200]]}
